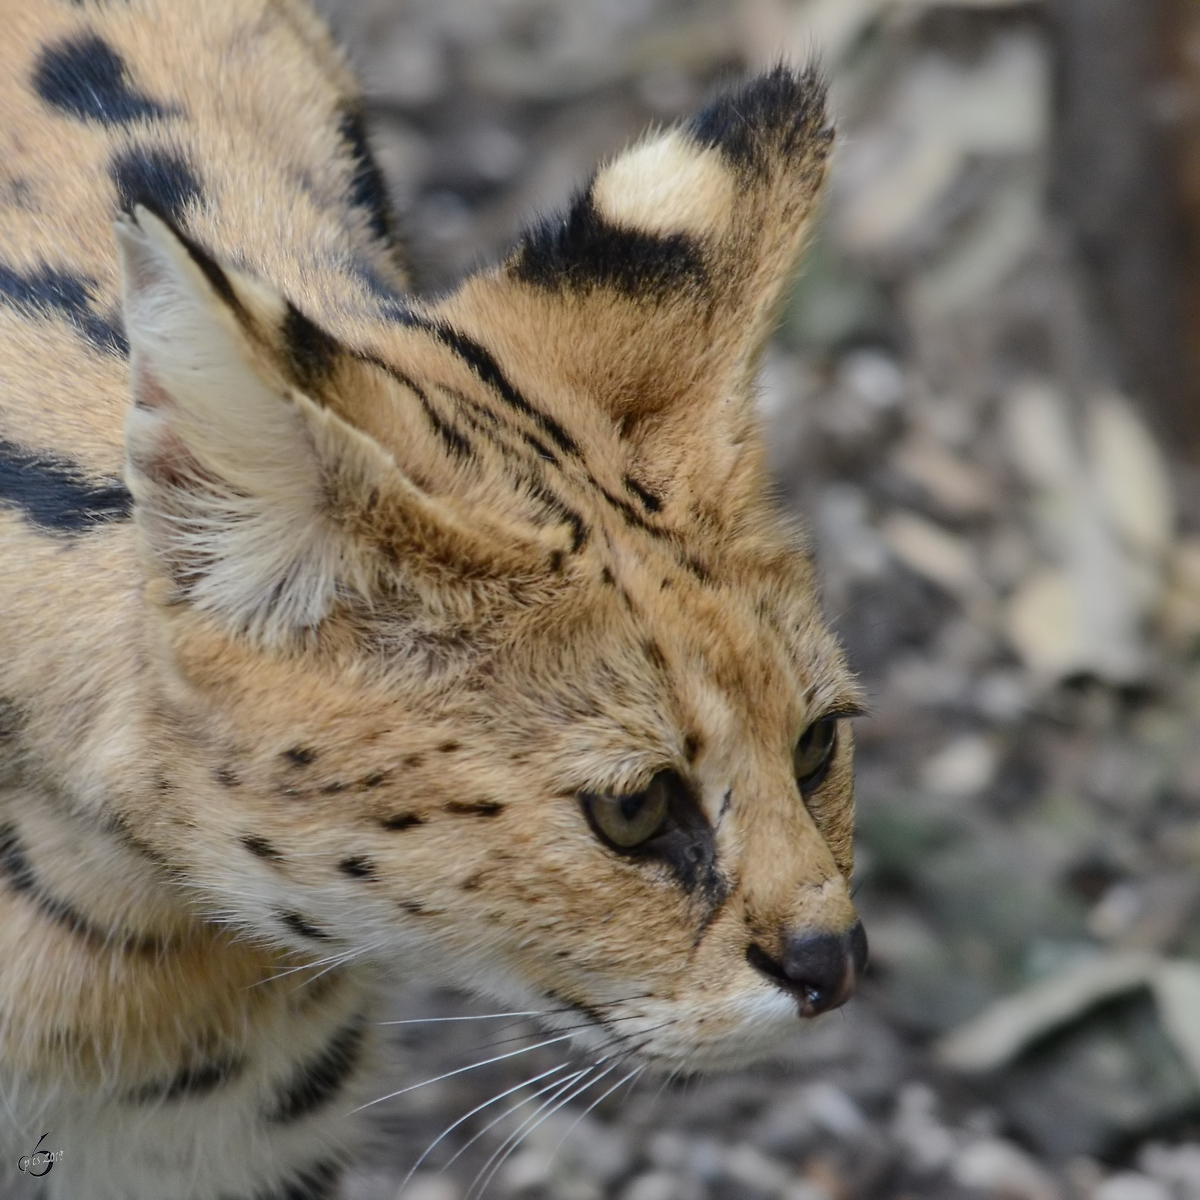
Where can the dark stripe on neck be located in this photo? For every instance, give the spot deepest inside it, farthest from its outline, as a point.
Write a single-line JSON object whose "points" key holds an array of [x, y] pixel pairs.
{"points": [[53, 493], [315, 1082]]}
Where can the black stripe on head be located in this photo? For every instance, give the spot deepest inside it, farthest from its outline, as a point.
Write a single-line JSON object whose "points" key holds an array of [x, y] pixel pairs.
{"points": [[300, 925], [160, 179], [582, 251], [312, 353], [194, 1080], [315, 1082], [47, 292], [368, 189], [779, 113], [85, 77], [54, 494]]}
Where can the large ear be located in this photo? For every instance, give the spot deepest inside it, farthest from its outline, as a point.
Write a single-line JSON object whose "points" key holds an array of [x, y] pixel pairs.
{"points": [[254, 494], [654, 293]]}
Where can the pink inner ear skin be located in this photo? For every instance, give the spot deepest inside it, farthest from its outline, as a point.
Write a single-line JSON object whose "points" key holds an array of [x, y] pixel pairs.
{"points": [[147, 391]]}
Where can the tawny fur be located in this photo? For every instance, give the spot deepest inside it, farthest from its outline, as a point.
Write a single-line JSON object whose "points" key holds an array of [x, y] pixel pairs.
{"points": [[403, 581]]}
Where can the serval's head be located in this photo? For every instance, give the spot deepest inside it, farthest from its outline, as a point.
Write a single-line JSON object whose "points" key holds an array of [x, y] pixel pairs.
{"points": [[479, 643]]}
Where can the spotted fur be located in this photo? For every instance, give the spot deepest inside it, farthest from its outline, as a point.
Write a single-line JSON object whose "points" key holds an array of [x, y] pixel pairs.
{"points": [[323, 606]]}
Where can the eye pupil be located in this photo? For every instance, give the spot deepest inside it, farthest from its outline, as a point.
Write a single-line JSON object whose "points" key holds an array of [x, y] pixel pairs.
{"points": [[628, 821], [814, 751]]}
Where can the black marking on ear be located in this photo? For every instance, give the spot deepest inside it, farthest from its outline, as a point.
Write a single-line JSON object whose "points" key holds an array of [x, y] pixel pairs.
{"points": [[453, 439], [368, 189], [54, 494], [300, 756], [315, 1082], [358, 867], [312, 353], [650, 502], [581, 251], [163, 181], [85, 78], [399, 821], [227, 777], [475, 808], [18, 870], [194, 1080], [298, 924], [261, 848], [778, 113], [47, 292]]}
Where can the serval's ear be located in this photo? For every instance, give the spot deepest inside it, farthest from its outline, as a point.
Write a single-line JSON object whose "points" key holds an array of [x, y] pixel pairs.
{"points": [[653, 294], [258, 495]]}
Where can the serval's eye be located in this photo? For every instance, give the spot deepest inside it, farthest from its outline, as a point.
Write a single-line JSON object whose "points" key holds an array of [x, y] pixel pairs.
{"points": [[631, 820], [814, 752]]}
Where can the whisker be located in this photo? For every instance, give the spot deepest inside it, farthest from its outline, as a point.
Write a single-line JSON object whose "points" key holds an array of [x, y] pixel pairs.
{"points": [[600, 1100], [481, 1017], [509, 1146], [460, 1070], [478, 1108]]}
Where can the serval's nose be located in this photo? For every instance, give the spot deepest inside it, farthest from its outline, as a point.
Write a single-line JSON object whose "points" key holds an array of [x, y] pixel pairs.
{"points": [[820, 969]]}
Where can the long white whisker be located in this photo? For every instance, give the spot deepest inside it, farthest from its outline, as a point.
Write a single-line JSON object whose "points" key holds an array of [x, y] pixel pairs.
{"points": [[470, 1067], [561, 1082], [632, 1075], [509, 1146], [482, 1017], [478, 1108]]}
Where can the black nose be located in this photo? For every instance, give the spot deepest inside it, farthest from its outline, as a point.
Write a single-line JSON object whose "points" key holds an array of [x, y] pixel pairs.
{"points": [[819, 969]]}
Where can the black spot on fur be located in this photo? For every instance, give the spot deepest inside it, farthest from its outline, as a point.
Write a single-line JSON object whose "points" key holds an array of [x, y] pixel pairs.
{"points": [[475, 808], [368, 189], [413, 760], [54, 494], [695, 567], [300, 925], [16, 868], [48, 292], [315, 1082], [194, 1080], [331, 789], [654, 654], [375, 779], [300, 756], [85, 77], [449, 747], [779, 113], [227, 777], [691, 747], [582, 251], [164, 182], [607, 577], [261, 848], [358, 868], [312, 353], [472, 883], [402, 821], [650, 502]]}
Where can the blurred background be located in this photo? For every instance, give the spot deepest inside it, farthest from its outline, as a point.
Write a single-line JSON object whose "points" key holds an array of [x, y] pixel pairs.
{"points": [[984, 400]]}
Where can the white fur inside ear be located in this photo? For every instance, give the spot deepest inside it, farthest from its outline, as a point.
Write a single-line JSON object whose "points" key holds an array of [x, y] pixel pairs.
{"points": [[667, 185], [222, 465]]}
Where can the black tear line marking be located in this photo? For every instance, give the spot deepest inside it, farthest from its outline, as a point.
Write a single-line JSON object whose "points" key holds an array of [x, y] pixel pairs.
{"points": [[161, 180], [781, 113], [48, 292], [54, 494], [368, 189], [580, 251], [85, 78], [315, 1082], [22, 879], [193, 1081]]}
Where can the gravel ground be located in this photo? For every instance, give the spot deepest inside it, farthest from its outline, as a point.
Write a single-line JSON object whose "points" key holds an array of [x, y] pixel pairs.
{"points": [[1011, 559]]}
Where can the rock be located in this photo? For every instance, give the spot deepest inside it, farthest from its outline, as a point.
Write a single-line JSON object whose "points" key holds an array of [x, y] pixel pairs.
{"points": [[964, 767], [1177, 992], [1002, 1168], [428, 1187], [932, 552], [928, 1144], [955, 485], [654, 1185], [746, 1165], [1129, 1185], [1179, 611], [1177, 1167]]}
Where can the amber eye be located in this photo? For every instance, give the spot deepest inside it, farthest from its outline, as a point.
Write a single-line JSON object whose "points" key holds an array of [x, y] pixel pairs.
{"points": [[628, 821], [813, 753]]}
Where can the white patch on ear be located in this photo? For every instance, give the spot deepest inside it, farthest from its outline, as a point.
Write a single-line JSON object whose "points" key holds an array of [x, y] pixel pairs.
{"points": [[222, 463], [667, 185]]}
